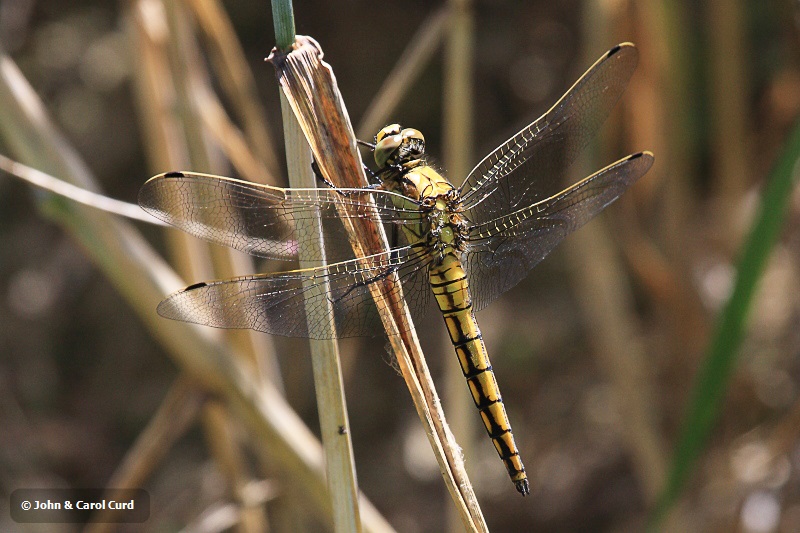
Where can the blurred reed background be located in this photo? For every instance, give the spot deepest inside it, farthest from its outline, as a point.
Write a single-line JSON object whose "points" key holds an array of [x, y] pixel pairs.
{"points": [[611, 355]]}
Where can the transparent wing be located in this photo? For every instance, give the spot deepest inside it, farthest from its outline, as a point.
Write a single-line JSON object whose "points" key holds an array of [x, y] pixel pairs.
{"points": [[266, 221], [277, 303], [527, 168], [500, 252]]}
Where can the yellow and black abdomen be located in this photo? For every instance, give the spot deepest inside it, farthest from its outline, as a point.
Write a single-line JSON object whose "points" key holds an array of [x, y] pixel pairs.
{"points": [[449, 283]]}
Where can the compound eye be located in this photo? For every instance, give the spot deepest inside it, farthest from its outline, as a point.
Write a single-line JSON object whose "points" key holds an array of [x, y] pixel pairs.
{"points": [[386, 149], [412, 134], [414, 141], [391, 129]]}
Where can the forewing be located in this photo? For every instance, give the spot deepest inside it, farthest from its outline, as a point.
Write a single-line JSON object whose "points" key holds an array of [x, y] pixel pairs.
{"points": [[262, 220], [528, 167], [500, 252], [277, 303]]}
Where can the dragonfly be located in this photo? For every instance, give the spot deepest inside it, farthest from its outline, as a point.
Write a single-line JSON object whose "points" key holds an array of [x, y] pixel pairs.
{"points": [[464, 245]]}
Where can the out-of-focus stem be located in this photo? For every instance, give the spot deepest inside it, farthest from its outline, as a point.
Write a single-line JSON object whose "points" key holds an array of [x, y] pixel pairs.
{"points": [[728, 84], [458, 153]]}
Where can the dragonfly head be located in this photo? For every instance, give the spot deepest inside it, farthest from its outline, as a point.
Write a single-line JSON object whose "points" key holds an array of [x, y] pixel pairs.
{"points": [[395, 145]]}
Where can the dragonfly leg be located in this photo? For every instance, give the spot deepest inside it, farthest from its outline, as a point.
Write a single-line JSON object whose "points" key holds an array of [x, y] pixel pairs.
{"points": [[372, 175], [365, 144], [368, 171], [318, 174]]}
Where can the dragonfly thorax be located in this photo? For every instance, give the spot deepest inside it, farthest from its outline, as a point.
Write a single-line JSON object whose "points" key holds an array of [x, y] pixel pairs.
{"points": [[447, 228], [396, 147]]}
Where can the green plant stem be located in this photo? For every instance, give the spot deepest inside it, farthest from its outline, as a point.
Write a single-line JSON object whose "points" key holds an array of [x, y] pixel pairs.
{"points": [[283, 20]]}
